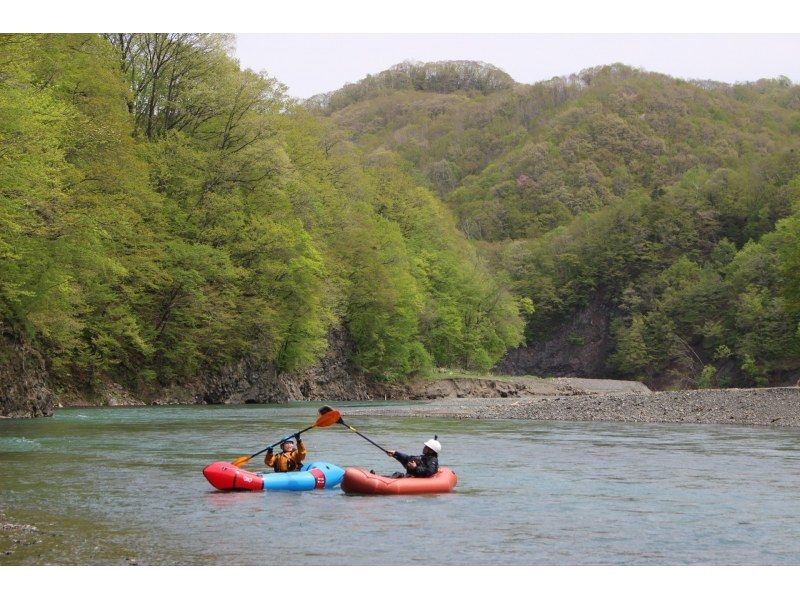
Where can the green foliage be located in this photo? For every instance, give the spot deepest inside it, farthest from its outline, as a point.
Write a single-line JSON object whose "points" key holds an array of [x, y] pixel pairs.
{"points": [[383, 304], [788, 247], [683, 295], [438, 77], [707, 377], [66, 168], [670, 204], [515, 161], [166, 213]]}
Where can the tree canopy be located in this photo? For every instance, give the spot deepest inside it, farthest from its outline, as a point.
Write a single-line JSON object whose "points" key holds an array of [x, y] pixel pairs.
{"points": [[671, 201], [164, 212]]}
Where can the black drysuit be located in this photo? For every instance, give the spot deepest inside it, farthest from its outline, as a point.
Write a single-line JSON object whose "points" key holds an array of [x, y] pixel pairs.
{"points": [[427, 465]]}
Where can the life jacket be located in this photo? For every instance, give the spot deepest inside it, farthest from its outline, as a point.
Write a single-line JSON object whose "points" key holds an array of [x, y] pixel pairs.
{"points": [[283, 462], [289, 462]]}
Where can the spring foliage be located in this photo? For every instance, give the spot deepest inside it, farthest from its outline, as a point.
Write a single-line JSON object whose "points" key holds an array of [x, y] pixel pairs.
{"points": [[164, 212], [674, 204]]}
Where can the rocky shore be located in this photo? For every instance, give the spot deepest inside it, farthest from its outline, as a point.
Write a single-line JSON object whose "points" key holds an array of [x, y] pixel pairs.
{"points": [[27, 393], [609, 400], [26, 389], [14, 536]]}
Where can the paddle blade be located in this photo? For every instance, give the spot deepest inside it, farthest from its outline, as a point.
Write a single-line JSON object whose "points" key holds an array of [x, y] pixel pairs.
{"points": [[328, 419], [240, 461]]}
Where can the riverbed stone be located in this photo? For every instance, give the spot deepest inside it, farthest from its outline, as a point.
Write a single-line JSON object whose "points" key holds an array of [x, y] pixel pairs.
{"points": [[779, 406]]}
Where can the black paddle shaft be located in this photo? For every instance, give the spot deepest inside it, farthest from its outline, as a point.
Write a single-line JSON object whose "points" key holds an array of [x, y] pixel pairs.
{"points": [[271, 446], [362, 436]]}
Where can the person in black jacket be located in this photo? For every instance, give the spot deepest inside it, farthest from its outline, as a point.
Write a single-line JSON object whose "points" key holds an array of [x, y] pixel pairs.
{"points": [[422, 466]]}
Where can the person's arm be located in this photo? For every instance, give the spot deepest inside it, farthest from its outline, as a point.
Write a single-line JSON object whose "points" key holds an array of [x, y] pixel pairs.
{"points": [[402, 457], [269, 458], [426, 467], [300, 453]]}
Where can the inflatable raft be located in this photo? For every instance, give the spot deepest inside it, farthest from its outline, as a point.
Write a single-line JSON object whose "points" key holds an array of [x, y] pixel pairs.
{"points": [[313, 476], [361, 481]]}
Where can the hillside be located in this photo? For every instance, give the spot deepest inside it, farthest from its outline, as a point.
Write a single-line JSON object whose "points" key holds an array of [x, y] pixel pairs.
{"points": [[173, 224], [166, 217], [652, 221]]}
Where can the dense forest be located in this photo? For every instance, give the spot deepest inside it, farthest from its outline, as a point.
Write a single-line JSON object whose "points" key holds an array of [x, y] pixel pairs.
{"points": [[164, 212], [673, 205]]}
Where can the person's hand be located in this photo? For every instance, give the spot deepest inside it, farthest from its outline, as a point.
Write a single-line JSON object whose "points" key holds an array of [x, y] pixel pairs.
{"points": [[269, 451], [411, 464], [297, 437], [391, 453]]}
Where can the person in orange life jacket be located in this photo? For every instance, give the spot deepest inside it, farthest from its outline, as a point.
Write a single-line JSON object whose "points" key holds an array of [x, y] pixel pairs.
{"points": [[291, 459], [422, 466]]}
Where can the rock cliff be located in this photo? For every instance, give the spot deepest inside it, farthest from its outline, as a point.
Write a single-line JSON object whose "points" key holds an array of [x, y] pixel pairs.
{"points": [[24, 389]]}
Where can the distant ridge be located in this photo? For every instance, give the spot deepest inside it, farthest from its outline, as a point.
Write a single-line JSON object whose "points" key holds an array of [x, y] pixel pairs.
{"points": [[445, 76], [631, 207]]}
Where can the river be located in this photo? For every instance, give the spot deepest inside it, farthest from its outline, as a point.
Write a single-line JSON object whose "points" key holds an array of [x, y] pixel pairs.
{"points": [[124, 486]]}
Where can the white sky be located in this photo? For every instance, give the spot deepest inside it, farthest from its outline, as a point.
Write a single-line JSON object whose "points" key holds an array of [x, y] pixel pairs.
{"points": [[353, 38], [315, 63]]}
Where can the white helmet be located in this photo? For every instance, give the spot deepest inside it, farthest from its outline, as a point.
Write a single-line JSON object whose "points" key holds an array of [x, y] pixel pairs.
{"points": [[434, 444]]}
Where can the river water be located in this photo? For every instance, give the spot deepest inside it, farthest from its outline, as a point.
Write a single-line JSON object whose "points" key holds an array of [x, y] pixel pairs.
{"points": [[124, 485]]}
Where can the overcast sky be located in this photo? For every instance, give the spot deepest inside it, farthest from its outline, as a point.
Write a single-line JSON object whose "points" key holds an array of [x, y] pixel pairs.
{"points": [[315, 63]]}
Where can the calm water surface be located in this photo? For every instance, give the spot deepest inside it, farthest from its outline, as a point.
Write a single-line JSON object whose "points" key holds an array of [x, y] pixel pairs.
{"points": [[115, 486]]}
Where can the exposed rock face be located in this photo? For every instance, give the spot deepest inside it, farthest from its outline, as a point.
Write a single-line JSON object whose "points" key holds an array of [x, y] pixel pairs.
{"points": [[24, 390], [115, 395], [578, 348], [332, 379]]}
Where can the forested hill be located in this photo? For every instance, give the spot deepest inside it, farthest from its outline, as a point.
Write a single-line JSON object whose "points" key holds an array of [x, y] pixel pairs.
{"points": [[653, 222], [165, 213]]}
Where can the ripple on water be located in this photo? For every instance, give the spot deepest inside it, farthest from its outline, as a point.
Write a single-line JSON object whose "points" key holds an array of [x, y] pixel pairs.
{"points": [[19, 445], [130, 483]]}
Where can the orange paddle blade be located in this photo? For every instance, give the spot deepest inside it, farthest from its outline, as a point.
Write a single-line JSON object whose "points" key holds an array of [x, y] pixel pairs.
{"points": [[328, 419], [240, 461]]}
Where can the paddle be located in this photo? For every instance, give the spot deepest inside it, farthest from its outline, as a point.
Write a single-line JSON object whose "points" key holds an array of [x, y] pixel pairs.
{"points": [[352, 429], [327, 418]]}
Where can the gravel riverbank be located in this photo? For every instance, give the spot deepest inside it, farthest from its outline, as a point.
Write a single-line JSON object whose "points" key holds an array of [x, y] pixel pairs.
{"points": [[14, 536], [751, 406]]}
